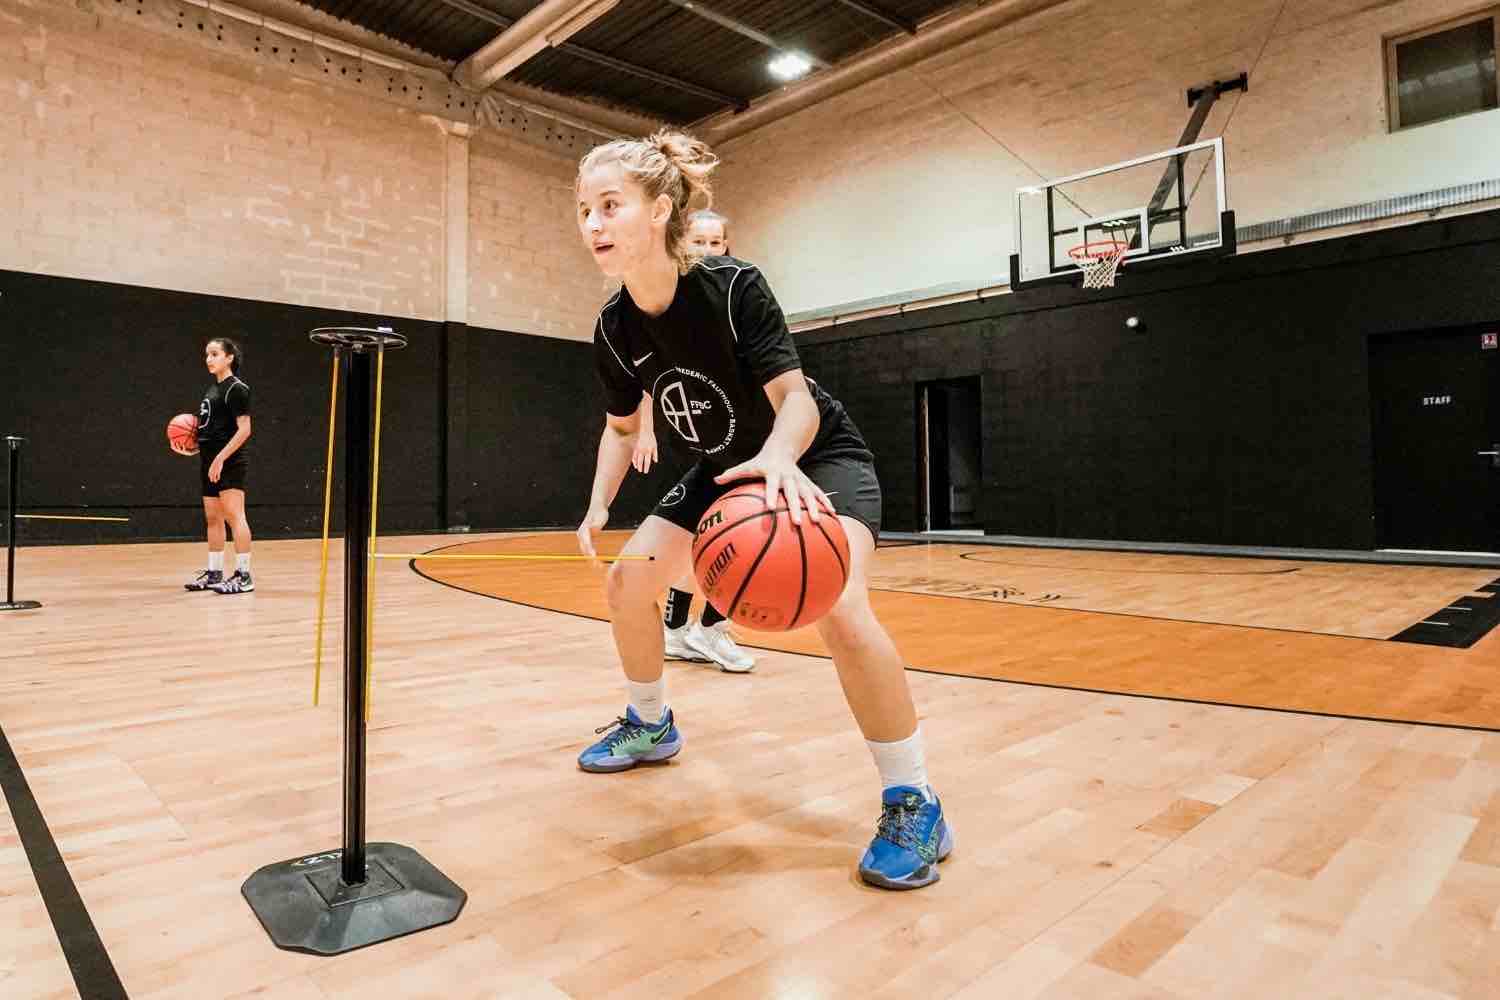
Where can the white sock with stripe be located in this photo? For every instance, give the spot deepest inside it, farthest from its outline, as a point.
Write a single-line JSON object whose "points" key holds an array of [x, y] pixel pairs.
{"points": [[649, 700]]}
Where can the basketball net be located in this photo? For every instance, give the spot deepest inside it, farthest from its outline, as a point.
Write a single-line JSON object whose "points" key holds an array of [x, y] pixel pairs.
{"points": [[1099, 261]]}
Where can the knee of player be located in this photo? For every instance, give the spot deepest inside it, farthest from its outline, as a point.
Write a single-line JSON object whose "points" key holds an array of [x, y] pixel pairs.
{"points": [[624, 585], [849, 618]]}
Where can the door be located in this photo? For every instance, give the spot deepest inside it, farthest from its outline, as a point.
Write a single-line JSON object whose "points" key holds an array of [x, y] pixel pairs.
{"points": [[1436, 403], [948, 454]]}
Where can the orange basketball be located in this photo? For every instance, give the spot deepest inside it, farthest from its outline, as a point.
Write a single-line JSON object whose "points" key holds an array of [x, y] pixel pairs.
{"points": [[761, 570], [182, 431]]}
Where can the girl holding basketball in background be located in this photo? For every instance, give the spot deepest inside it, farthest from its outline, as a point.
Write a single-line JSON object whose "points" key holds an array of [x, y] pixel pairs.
{"points": [[708, 640], [708, 342], [223, 429]]}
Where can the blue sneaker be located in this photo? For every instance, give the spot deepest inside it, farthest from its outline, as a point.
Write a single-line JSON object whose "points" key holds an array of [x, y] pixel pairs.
{"points": [[631, 743], [910, 840]]}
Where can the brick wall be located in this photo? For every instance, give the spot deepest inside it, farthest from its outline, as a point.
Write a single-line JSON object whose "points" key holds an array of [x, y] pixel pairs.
{"points": [[528, 270], [141, 159], [897, 185], [148, 158]]}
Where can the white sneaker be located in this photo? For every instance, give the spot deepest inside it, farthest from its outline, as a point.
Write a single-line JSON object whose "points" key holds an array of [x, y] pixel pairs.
{"points": [[677, 647], [719, 646]]}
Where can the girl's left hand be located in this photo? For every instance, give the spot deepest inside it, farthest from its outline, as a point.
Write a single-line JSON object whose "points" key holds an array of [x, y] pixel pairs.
{"points": [[215, 470], [645, 452], [782, 476]]}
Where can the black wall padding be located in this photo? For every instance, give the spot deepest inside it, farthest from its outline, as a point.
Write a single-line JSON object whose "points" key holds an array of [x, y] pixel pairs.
{"points": [[1238, 414], [94, 370], [481, 427], [535, 415]]}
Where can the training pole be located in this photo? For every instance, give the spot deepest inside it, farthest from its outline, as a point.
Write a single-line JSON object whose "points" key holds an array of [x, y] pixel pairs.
{"points": [[12, 503], [361, 893]]}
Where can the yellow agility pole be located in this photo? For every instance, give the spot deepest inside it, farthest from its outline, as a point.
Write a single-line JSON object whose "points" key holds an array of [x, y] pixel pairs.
{"points": [[374, 517], [333, 399], [69, 517]]}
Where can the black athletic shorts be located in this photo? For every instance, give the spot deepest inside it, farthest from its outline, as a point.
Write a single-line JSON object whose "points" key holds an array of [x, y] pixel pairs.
{"points": [[236, 471], [842, 466]]}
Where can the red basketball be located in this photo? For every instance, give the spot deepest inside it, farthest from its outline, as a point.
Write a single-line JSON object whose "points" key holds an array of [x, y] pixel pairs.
{"points": [[182, 431], [761, 570]]}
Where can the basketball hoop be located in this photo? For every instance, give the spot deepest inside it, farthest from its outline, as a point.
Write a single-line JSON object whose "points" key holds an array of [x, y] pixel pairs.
{"points": [[1099, 260]]}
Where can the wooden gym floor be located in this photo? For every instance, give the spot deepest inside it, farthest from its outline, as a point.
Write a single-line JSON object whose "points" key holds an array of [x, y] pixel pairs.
{"points": [[1108, 845], [1206, 629]]}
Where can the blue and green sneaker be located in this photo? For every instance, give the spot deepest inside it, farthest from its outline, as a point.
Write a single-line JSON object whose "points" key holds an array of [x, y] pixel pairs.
{"points": [[910, 839], [631, 742]]}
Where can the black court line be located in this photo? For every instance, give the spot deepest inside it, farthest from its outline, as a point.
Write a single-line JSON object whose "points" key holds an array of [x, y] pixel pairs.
{"points": [[1460, 624], [93, 972], [1215, 704], [1008, 680], [976, 557], [1378, 557], [1123, 614]]}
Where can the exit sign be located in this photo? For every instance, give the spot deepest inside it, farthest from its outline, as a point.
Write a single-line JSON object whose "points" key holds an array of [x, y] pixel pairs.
{"points": [[1489, 341]]}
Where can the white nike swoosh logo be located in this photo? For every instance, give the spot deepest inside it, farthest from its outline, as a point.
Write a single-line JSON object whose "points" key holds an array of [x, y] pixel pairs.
{"points": [[642, 358]]}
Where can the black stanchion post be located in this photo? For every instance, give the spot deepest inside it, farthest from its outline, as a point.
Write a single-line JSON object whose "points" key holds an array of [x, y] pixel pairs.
{"points": [[357, 439], [361, 894], [12, 503], [13, 448]]}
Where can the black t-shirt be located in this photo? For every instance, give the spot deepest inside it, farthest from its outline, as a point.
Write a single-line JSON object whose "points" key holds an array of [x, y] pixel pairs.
{"points": [[705, 362], [218, 413]]}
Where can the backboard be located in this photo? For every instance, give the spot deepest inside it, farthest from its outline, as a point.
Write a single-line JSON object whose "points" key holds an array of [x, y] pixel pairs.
{"points": [[1166, 204]]}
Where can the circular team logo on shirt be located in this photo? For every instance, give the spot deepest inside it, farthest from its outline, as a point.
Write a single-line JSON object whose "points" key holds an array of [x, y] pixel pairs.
{"points": [[697, 408]]}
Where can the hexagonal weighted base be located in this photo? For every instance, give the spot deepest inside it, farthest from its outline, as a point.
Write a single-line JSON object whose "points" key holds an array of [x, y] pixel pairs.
{"points": [[305, 905]]}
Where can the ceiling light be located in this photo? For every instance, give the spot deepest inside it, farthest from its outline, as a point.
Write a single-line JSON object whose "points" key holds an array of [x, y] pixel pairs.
{"points": [[790, 65]]}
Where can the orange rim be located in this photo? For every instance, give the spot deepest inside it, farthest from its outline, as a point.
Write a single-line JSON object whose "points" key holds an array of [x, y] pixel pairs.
{"points": [[1098, 250]]}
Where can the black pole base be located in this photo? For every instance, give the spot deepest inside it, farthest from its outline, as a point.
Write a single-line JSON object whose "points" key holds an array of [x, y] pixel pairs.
{"points": [[306, 906], [19, 605]]}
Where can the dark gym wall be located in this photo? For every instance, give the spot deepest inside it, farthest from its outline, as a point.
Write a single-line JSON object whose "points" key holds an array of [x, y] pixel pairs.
{"points": [[1238, 414], [535, 415], [92, 371]]}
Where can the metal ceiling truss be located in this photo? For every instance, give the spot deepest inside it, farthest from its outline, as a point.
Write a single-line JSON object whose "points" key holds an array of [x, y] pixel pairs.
{"points": [[741, 28], [556, 39], [890, 20], [229, 29]]}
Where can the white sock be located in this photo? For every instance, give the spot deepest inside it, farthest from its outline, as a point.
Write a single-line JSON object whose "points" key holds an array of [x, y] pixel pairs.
{"points": [[216, 561], [903, 762], [649, 700], [242, 562]]}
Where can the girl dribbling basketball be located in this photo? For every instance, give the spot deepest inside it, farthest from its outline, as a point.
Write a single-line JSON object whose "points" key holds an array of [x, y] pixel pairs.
{"points": [[708, 342]]}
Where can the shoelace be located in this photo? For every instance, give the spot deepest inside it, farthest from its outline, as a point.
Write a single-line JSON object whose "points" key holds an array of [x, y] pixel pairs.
{"points": [[898, 822], [626, 730]]}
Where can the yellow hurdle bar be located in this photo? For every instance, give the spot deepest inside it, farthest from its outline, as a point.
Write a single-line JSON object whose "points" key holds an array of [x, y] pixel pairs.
{"points": [[69, 517], [507, 558]]}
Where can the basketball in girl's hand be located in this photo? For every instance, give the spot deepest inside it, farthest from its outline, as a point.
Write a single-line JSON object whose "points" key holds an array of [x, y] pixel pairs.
{"points": [[763, 571], [182, 432]]}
